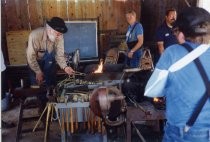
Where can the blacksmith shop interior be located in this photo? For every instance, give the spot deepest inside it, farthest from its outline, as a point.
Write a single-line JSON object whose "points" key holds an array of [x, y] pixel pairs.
{"points": [[76, 70]]}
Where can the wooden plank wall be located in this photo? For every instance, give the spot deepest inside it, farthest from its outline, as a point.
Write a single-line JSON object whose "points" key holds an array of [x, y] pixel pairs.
{"points": [[23, 14], [30, 14]]}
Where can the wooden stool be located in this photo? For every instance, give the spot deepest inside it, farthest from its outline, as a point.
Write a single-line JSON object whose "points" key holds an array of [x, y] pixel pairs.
{"points": [[29, 99]]}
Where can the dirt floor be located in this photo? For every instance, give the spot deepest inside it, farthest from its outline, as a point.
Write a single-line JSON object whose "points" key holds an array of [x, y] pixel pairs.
{"points": [[9, 135]]}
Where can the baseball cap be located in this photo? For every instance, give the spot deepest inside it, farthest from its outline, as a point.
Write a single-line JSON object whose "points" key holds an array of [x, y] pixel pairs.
{"points": [[191, 20]]}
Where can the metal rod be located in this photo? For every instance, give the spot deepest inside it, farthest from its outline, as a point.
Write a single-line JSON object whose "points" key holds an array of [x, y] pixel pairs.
{"points": [[84, 118], [63, 121], [56, 110], [138, 132], [76, 119], [63, 126], [67, 120], [72, 123], [89, 118], [188, 4], [92, 122]]}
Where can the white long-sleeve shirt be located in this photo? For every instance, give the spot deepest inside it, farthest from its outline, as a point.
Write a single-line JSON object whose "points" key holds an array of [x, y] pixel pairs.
{"points": [[3, 67]]}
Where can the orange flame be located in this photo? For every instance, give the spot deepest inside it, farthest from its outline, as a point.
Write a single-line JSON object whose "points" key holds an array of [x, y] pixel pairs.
{"points": [[100, 67], [156, 100]]}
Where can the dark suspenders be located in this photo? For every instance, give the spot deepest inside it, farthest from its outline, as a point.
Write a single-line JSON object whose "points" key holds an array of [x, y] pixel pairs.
{"points": [[133, 43], [132, 30], [206, 95]]}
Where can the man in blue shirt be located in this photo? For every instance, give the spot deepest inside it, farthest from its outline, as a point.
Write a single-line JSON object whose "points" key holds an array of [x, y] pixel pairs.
{"points": [[134, 39], [185, 86], [164, 34]]}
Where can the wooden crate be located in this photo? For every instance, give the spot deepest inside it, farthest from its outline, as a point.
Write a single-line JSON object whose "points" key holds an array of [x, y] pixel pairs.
{"points": [[16, 45]]}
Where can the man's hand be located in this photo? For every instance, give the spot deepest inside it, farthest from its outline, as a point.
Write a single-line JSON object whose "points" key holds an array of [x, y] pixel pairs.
{"points": [[39, 78], [69, 70], [130, 54]]}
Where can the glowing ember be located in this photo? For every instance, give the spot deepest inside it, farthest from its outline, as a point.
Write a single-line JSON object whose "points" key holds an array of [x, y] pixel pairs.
{"points": [[100, 67], [156, 100]]}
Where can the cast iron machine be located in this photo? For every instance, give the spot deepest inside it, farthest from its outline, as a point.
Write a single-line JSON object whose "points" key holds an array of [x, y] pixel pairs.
{"points": [[102, 93], [105, 93], [109, 104]]}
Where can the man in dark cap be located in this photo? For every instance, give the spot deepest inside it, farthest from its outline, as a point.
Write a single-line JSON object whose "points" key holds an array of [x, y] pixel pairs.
{"points": [[45, 47], [187, 87]]}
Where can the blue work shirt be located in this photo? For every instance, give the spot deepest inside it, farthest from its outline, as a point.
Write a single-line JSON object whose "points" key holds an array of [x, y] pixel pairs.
{"points": [[132, 37], [164, 33], [185, 88]]}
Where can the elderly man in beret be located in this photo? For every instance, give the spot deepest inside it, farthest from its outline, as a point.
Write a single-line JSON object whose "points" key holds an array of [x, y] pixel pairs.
{"points": [[186, 69], [45, 48]]}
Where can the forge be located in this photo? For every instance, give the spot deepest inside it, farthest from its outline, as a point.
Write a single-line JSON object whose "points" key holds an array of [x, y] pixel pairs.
{"points": [[100, 97]]}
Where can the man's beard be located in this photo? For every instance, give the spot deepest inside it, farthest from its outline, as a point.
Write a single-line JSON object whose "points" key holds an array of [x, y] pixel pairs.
{"points": [[51, 37], [173, 21]]}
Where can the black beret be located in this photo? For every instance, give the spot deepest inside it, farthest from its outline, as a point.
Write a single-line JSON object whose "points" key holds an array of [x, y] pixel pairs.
{"points": [[57, 24]]}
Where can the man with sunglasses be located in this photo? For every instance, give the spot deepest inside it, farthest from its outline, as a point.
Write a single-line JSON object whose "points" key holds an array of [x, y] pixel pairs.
{"points": [[164, 33]]}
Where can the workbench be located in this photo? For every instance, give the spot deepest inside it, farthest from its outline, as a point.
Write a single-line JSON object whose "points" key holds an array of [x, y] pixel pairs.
{"points": [[136, 114]]}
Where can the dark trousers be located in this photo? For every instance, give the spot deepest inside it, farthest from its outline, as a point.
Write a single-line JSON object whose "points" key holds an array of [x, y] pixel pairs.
{"points": [[48, 66]]}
